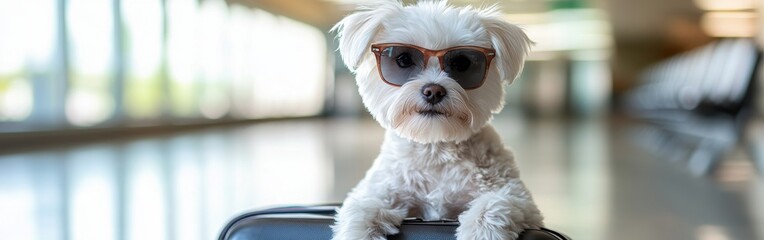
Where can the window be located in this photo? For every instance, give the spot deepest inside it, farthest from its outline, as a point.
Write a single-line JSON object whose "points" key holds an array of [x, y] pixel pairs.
{"points": [[85, 64], [213, 61], [26, 55], [90, 99], [182, 57], [278, 89], [143, 49]]}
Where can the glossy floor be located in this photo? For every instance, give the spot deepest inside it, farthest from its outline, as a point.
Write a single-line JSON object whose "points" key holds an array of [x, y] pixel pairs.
{"points": [[590, 178]]}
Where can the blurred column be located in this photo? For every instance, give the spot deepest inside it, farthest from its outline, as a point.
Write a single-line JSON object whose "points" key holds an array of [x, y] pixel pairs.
{"points": [[143, 33], [590, 82], [214, 59], [289, 77], [241, 41], [182, 55], [759, 97], [544, 86], [47, 82], [587, 44], [90, 98], [28, 82], [569, 69]]}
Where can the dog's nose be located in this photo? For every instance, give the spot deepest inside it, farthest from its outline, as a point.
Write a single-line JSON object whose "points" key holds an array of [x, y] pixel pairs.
{"points": [[433, 93]]}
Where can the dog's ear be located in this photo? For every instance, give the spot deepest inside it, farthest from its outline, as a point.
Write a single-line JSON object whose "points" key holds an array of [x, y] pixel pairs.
{"points": [[510, 42], [356, 31]]}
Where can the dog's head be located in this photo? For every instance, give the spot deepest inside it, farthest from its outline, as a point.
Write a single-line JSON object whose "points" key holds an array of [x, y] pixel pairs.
{"points": [[429, 71]]}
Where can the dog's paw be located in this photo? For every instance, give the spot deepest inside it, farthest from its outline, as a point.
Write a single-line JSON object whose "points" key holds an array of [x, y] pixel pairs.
{"points": [[384, 229], [367, 223], [488, 224], [485, 231], [387, 221]]}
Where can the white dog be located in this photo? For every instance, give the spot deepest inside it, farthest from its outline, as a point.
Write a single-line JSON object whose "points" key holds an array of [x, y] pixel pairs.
{"points": [[432, 75]]}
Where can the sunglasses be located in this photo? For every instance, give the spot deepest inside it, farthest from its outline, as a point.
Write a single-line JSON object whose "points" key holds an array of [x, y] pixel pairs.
{"points": [[399, 63]]}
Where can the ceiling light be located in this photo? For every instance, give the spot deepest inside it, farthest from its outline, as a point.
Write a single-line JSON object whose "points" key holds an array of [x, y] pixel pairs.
{"points": [[725, 5], [729, 24]]}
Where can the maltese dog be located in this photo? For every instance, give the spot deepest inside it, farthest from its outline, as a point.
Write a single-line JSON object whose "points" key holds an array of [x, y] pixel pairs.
{"points": [[432, 75]]}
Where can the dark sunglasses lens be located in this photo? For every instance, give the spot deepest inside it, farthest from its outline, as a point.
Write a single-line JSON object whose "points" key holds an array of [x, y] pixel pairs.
{"points": [[399, 64], [466, 66]]}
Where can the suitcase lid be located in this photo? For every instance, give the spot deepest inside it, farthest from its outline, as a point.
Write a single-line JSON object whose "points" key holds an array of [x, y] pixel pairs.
{"points": [[314, 220]]}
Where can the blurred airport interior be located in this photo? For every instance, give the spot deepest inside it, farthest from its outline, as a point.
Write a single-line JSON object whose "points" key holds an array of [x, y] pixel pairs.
{"points": [[143, 119]]}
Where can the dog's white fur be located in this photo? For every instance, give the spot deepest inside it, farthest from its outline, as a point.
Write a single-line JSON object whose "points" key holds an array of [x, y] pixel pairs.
{"points": [[446, 166]]}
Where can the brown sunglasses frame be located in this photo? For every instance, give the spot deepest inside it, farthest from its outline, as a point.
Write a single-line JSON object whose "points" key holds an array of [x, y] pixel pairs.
{"points": [[428, 53]]}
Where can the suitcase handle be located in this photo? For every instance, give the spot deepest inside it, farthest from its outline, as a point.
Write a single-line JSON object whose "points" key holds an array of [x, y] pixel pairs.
{"points": [[330, 209]]}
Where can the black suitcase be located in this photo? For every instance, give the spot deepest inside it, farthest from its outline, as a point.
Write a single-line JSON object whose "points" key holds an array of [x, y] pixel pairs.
{"points": [[308, 223]]}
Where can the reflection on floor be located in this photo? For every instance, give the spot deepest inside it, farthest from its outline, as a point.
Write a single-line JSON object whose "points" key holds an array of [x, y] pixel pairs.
{"points": [[590, 180]]}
